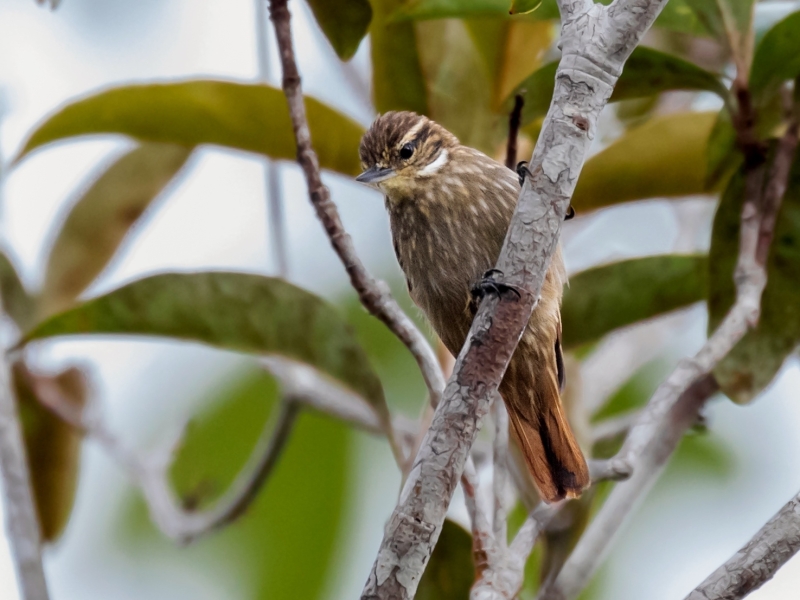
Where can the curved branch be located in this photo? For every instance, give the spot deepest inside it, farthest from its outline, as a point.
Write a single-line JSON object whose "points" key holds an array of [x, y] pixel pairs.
{"points": [[758, 560]]}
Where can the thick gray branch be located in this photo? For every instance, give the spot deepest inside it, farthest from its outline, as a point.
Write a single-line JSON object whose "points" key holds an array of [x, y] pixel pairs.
{"points": [[596, 41], [758, 560]]}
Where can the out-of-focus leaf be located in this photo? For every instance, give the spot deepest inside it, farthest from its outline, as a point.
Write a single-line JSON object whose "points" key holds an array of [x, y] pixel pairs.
{"points": [[102, 217], [730, 21], [344, 23], [777, 57], [665, 157], [249, 117], [756, 359], [444, 9], [678, 16], [512, 50], [646, 72], [450, 572], [459, 91], [53, 448], [533, 7], [632, 394], [233, 311], [723, 157], [397, 79], [599, 300], [286, 545], [17, 303], [705, 454]]}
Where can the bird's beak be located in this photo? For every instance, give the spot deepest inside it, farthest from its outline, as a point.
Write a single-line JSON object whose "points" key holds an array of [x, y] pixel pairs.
{"points": [[375, 174]]}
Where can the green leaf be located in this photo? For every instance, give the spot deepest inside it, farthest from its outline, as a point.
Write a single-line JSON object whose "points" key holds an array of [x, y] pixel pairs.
{"points": [[53, 448], [17, 303], [665, 157], [599, 300], [249, 117], [755, 360], [102, 217], [678, 16], [286, 545], [548, 9], [730, 21], [398, 82], [723, 156], [646, 72], [450, 572], [344, 23], [232, 311], [443, 9], [777, 57]]}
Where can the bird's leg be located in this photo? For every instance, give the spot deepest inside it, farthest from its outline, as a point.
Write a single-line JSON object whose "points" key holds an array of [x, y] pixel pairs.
{"points": [[488, 285], [523, 171]]}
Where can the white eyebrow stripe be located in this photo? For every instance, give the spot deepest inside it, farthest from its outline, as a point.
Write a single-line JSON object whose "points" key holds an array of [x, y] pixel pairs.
{"points": [[436, 165], [412, 132]]}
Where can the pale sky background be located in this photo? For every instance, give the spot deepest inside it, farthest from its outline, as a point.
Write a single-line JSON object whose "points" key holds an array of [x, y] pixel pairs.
{"points": [[216, 218]]}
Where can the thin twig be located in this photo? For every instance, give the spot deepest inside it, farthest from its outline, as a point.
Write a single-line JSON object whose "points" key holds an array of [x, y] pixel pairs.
{"points": [[374, 295], [272, 182], [514, 121], [500, 472], [596, 40], [758, 560]]}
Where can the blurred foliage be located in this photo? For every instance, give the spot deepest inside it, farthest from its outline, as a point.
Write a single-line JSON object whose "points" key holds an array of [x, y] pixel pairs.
{"points": [[285, 546], [754, 362], [599, 300], [249, 117], [665, 157], [459, 62], [53, 447], [344, 23], [233, 311], [450, 571], [102, 217]]}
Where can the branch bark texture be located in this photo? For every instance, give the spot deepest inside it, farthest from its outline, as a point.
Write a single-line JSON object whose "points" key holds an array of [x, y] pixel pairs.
{"points": [[758, 560], [596, 40]]}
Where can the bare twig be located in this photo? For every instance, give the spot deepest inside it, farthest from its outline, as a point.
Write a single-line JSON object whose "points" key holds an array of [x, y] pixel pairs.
{"points": [[272, 183], [758, 560], [374, 295], [500, 471], [22, 526], [659, 428], [596, 41], [514, 121]]}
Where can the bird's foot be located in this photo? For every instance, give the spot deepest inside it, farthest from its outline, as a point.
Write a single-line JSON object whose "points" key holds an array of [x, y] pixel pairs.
{"points": [[523, 171], [488, 285]]}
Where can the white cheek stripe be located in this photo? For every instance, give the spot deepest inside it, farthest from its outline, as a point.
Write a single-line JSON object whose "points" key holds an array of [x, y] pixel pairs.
{"points": [[436, 165]]}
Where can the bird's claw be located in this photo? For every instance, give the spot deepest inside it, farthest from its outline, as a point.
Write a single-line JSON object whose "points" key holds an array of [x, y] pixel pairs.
{"points": [[570, 213], [488, 285], [522, 171]]}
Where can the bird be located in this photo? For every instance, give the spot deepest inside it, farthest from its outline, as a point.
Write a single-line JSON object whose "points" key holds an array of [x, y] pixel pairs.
{"points": [[449, 208]]}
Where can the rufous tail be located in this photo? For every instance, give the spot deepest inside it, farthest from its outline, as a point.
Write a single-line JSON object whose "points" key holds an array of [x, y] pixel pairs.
{"points": [[553, 457]]}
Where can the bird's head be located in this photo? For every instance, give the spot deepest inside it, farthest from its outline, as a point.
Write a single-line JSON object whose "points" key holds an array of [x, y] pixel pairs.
{"points": [[401, 150]]}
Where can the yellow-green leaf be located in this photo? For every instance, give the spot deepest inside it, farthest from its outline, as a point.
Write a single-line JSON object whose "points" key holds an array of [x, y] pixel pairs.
{"points": [[664, 157], [232, 311], [777, 57], [53, 448], [17, 303], [756, 359], [249, 117], [600, 299], [344, 23], [102, 217], [397, 79], [450, 572]]}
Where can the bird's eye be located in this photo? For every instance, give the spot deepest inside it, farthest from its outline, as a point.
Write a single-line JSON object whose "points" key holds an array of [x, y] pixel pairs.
{"points": [[406, 151]]}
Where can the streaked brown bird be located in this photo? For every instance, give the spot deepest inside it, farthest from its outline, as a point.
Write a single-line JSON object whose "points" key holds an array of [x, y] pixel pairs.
{"points": [[450, 207]]}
